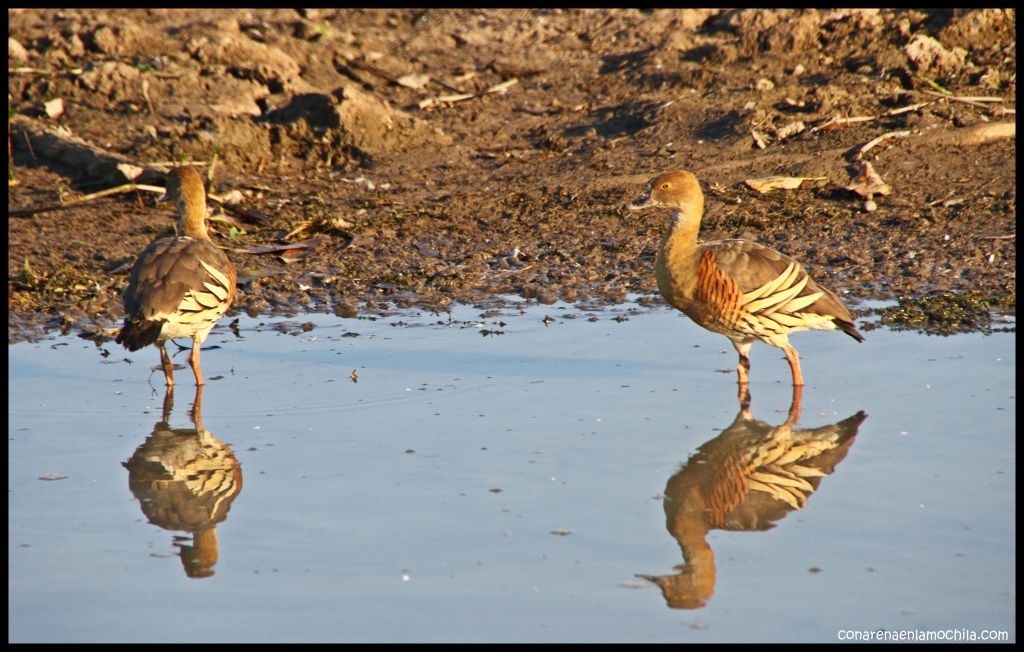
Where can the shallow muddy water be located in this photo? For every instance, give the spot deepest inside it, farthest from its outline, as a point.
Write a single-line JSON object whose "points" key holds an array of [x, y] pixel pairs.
{"points": [[586, 477]]}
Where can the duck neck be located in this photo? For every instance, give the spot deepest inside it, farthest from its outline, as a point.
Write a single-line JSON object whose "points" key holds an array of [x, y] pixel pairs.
{"points": [[678, 257], [679, 248], [682, 230], [192, 220]]}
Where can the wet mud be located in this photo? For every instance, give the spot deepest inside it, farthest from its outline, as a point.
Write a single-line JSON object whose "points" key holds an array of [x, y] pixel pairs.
{"points": [[373, 159]]}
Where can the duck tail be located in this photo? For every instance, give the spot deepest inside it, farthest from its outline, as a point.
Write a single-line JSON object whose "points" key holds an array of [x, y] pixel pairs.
{"points": [[138, 334], [848, 328]]}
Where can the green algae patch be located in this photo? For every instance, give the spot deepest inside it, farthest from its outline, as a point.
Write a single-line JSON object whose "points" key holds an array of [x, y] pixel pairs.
{"points": [[946, 313]]}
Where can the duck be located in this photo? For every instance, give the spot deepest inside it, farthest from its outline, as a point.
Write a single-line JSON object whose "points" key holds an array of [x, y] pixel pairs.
{"points": [[738, 288], [748, 478], [179, 286], [186, 479]]}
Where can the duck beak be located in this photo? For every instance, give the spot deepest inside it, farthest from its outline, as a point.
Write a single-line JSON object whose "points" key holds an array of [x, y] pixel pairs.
{"points": [[643, 201]]}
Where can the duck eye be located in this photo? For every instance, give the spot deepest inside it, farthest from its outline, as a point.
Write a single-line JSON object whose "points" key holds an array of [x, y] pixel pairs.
{"points": [[665, 185]]}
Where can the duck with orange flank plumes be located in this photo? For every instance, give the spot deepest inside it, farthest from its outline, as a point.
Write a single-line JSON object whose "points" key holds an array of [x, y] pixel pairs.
{"points": [[741, 289], [180, 286]]}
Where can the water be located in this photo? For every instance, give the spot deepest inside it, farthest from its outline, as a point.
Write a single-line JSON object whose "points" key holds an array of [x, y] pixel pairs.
{"points": [[508, 479]]}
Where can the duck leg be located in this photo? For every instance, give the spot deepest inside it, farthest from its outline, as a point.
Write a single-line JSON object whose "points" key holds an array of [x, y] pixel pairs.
{"points": [[795, 406], [794, 365], [743, 366], [193, 359], [168, 366]]}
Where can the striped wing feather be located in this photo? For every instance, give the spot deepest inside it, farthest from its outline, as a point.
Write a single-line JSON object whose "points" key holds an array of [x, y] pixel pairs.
{"points": [[752, 456], [187, 282], [768, 290]]}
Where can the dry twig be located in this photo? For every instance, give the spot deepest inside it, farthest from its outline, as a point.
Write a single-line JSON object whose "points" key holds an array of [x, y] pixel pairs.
{"points": [[838, 123], [871, 143], [448, 99]]}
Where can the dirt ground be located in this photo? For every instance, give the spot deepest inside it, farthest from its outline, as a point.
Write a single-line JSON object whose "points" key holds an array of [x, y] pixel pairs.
{"points": [[430, 157]]}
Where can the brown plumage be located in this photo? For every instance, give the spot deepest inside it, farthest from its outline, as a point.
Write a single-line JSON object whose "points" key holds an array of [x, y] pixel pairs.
{"points": [[180, 286], [747, 478], [186, 479], [738, 288]]}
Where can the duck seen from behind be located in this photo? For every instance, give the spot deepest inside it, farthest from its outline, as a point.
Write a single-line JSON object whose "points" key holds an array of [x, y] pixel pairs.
{"points": [[741, 289], [180, 286]]}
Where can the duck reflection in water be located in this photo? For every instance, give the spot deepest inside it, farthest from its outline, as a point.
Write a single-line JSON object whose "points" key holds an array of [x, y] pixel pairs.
{"points": [[747, 479], [186, 479]]}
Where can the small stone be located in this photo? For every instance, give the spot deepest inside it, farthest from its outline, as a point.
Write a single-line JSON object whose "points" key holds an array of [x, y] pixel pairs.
{"points": [[54, 108], [16, 52]]}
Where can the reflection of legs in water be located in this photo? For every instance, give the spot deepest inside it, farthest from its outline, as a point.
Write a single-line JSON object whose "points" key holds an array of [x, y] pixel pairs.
{"points": [[795, 405], [747, 478], [743, 395], [200, 558], [168, 402], [197, 409]]}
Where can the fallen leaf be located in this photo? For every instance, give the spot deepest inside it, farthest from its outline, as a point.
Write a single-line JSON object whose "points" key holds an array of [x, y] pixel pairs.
{"points": [[866, 182], [791, 129], [767, 184], [322, 223], [224, 218], [414, 81], [760, 139], [130, 172], [248, 213], [289, 252], [290, 258], [233, 196]]}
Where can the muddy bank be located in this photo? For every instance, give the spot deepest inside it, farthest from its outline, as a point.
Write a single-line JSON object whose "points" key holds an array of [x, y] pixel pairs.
{"points": [[431, 157]]}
